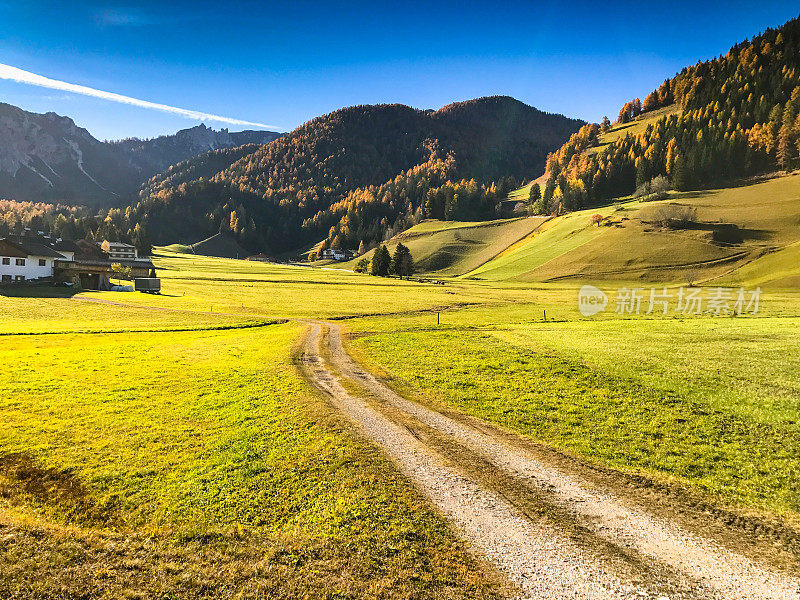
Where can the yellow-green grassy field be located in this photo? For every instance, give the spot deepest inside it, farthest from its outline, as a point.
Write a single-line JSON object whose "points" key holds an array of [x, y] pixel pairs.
{"points": [[708, 403], [195, 462], [154, 445]]}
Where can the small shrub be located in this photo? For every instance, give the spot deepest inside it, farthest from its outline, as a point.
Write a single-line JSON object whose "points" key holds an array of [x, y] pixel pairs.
{"points": [[655, 189], [362, 266], [727, 233], [538, 207], [691, 276], [676, 216], [660, 185]]}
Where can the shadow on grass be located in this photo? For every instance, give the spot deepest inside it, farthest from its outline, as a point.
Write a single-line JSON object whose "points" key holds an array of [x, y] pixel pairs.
{"points": [[21, 475], [36, 291], [692, 195]]}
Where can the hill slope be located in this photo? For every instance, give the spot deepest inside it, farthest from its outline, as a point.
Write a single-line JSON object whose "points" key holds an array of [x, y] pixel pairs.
{"points": [[452, 248], [47, 157], [203, 166], [219, 245], [635, 242], [358, 172]]}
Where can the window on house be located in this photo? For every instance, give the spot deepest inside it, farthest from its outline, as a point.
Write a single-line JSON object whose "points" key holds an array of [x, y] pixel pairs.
{"points": [[20, 277], [20, 262], [6, 261], [42, 262], [6, 278]]}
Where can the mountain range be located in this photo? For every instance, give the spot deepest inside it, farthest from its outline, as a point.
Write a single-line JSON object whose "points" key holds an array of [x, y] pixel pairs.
{"points": [[354, 174], [47, 157]]}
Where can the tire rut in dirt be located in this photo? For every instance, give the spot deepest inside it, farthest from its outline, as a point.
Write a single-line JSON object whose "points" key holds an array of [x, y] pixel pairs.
{"points": [[540, 559], [707, 568]]}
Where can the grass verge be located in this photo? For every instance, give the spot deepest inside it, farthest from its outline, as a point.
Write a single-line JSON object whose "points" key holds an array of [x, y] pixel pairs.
{"points": [[708, 403], [197, 465]]}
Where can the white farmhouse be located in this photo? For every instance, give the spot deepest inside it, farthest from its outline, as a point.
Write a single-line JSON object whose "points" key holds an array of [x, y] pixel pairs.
{"points": [[48, 260], [338, 255], [25, 260]]}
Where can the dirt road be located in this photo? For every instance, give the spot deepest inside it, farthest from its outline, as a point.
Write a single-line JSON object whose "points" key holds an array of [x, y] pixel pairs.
{"points": [[552, 532]]}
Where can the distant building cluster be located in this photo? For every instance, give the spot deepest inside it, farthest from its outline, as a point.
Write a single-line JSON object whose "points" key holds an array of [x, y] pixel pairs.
{"points": [[39, 258], [260, 257]]}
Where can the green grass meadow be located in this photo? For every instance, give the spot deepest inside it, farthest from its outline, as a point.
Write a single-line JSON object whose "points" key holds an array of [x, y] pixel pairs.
{"points": [[167, 446], [195, 463], [710, 403]]}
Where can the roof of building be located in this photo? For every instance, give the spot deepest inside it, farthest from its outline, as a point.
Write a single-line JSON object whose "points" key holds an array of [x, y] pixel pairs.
{"points": [[7, 248], [120, 245], [101, 262], [66, 246], [87, 249], [33, 247]]}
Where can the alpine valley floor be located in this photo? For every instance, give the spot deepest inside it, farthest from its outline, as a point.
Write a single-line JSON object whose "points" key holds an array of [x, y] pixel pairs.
{"points": [[265, 430]]}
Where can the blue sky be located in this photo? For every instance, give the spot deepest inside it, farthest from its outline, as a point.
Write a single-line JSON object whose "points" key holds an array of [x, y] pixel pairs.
{"points": [[281, 64]]}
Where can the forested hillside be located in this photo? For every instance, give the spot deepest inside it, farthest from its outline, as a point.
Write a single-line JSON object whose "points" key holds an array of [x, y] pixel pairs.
{"points": [[353, 175], [203, 166], [64, 221], [735, 115]]}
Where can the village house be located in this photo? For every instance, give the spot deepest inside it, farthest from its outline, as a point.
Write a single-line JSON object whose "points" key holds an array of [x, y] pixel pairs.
{"points": [[119, 250], [26, 260], [338, 255], [42, 259]]}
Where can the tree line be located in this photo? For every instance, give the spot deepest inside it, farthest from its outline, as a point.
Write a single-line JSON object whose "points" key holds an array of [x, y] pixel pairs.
{"points": [[427, 191], [385, 264], [72, 223]]}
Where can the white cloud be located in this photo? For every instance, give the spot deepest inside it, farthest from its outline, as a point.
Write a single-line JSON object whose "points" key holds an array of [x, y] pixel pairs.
{"points": [[21, 76], [123, 17]]}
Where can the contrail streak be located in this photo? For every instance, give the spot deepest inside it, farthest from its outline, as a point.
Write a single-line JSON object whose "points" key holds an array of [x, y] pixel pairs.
{"points": [[21, 76]]}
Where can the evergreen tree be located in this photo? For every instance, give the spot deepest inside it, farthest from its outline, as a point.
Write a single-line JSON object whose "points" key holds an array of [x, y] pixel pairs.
{"points": [[402, 263], [784, 151], [624, 113], [406, 265], [535, 193], [380, 262], [681, 179], [140, 240], [650, 102]]}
